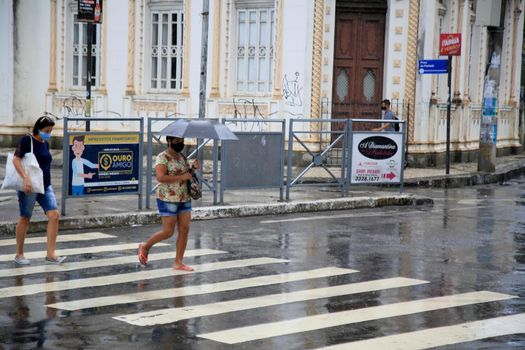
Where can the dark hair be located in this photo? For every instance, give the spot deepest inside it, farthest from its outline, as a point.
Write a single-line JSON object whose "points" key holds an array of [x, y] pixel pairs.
{"points": [[42, 122], [78, 138], [386, 101], [171, 138]]}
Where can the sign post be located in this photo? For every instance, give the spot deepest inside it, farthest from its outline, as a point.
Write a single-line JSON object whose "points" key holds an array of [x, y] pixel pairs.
{"points": [[89, 11], [449, 45]]}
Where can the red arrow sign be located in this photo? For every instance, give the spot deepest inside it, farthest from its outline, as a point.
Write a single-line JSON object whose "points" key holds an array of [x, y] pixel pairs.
{"points": [[390, 175]]}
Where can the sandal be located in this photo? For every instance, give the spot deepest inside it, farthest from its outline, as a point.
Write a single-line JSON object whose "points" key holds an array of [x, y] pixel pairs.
{"points": [[183, 268], [143, 258], [59, 260]]}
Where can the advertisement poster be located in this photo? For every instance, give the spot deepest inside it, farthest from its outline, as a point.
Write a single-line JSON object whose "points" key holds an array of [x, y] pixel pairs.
{"points": [[376, 158], [89, 11], [103, 164], [450, 44]]}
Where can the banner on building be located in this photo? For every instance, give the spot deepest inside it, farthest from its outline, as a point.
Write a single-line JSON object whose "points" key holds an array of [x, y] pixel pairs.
{"points": [[450, 44], [103, 163], [89, 11], [376, 158]]}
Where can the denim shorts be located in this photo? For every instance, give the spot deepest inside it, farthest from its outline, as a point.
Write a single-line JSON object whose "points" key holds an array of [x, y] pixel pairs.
{"points": [[26, 201], [173, 208]]}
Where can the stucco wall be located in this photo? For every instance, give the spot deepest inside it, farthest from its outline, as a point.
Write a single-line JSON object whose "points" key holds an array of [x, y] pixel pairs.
{"points": [[6, 64], [31, 60]]}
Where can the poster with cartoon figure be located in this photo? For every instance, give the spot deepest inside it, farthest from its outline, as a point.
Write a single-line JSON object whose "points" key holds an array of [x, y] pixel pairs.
{"points": [[77, 166], [103, 164]]}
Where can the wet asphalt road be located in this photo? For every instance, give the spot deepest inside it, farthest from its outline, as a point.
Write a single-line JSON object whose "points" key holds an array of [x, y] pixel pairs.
{"points": [[472, 240]]}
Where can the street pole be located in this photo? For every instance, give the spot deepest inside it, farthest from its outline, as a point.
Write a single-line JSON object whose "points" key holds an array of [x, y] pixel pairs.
{"points": [[204, 58], [449, 102], [204, 67], [87, 107]]}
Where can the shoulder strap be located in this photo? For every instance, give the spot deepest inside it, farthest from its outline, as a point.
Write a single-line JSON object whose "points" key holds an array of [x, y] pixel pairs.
{"points": [[185, 159], [31, 140]]}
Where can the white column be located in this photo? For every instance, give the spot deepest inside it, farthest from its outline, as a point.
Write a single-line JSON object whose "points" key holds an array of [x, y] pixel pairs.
{"points": [[423, 130], [6, 63]]}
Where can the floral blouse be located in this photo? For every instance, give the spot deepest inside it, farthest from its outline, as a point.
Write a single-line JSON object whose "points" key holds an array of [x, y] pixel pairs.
{"points": [[177, 191]]}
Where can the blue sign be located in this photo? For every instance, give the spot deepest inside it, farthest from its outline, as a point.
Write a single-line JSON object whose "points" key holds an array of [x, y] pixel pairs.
{"points": [[433, 66]]}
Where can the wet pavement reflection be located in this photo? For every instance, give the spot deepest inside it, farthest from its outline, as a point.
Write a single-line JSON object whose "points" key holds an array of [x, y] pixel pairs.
{"points": [[471, 241]]}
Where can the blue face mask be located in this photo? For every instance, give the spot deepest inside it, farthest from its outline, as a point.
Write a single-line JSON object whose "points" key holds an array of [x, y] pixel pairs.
{"points": [[44, 135]]}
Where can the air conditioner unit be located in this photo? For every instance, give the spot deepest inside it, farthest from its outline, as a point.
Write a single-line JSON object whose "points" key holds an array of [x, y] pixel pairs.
{"points": [[488, 13]]}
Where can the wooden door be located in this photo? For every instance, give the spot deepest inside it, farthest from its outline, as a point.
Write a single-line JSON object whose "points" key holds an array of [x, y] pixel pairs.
{"points": [[358, 64]]}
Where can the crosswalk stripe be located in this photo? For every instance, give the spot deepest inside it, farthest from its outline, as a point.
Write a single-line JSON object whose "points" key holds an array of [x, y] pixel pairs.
{"points": [[130, 277], [310, 323], [74, 251], [128, 259], [60, 238], [201, 289], [441, 336], [182, 313]]}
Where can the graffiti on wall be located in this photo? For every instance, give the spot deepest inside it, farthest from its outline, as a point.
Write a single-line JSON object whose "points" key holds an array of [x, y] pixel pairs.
{"points": [[292, 90]]}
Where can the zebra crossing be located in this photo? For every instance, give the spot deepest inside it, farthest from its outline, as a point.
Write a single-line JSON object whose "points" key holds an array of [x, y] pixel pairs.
{"points": [[219, 261]]}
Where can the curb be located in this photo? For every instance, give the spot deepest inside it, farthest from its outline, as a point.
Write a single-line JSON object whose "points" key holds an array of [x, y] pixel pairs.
{"points": [[7, 228], [451, 181]]}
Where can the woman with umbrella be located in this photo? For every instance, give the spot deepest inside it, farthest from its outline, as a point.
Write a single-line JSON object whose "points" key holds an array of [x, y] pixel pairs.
{"points": [[173, 200]]}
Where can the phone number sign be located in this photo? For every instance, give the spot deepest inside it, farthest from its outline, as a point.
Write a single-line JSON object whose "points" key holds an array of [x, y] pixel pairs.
{"points": [[376, 158]]}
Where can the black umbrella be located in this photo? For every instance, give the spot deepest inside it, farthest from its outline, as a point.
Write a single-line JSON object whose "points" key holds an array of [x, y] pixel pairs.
{"points": [[198, 128]]}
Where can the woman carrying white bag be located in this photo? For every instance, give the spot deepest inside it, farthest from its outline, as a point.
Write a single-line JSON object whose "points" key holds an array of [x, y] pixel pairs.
{"points": [[39, 146]]}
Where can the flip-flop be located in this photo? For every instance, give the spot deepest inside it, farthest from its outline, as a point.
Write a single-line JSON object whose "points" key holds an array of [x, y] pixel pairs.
{"points": [[183, 268], [143, 258], [59, 260]]}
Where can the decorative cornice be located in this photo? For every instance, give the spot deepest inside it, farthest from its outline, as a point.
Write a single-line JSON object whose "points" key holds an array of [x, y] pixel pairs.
{"points": [[154, 106], [229, 109]]}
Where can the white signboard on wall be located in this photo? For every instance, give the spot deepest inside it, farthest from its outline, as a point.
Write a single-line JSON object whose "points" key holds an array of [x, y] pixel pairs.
{"points": [[376, 158]]}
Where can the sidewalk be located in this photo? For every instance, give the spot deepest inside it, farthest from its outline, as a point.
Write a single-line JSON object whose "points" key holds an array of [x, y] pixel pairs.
{"points": [[112, 211]]}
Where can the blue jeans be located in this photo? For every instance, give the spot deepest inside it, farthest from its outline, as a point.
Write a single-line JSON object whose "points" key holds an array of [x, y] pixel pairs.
{"points": [[173, 209], [26, 201], [77, 190]]}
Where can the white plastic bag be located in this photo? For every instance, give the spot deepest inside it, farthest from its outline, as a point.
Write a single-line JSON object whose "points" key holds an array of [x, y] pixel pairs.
{"points": [[32, 169]]}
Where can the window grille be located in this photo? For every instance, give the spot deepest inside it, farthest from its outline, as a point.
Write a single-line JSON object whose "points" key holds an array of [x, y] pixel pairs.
{"points": [[342, 85], [80, 41], [255, 49], [369, 85], [167, 49]]}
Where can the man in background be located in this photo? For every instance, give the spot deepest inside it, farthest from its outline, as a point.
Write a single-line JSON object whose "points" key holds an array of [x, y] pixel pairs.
{"points": [[388, 115]]}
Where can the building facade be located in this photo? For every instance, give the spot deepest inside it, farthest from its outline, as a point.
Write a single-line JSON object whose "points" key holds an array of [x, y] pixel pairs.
{"points": [[266, 59]]}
